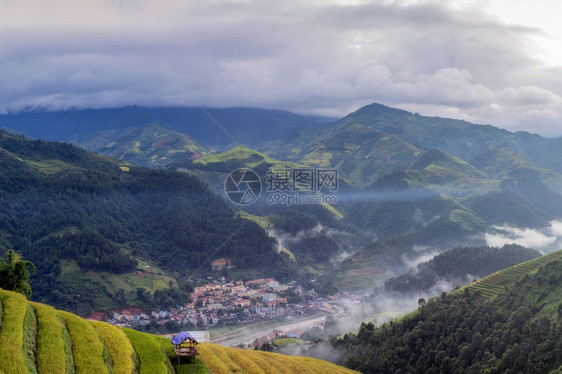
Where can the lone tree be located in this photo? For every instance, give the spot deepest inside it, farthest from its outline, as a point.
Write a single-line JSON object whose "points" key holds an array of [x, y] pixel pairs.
{"points": [[15, 273]]}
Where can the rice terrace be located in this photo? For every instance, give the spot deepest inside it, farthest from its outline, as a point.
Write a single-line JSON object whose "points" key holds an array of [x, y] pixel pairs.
{"points": [[36, 338], [493, 284]]}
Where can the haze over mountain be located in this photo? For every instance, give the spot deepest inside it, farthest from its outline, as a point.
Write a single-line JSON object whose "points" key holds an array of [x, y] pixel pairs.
{"points": [[248, 126], [408, 180]]}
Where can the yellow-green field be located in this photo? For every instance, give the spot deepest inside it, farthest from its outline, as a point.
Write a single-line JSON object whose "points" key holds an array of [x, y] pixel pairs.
{"points": [[36, 338]]}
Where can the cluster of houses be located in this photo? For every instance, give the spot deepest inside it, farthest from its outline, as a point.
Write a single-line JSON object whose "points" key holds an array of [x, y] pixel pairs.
{"points": [[222, 302]]}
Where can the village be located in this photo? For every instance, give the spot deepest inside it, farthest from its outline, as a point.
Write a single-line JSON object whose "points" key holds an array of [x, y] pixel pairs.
{"points": [[222, 303]]}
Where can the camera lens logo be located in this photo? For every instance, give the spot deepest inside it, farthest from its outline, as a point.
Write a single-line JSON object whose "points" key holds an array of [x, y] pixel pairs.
{"points": [[242, 186]]}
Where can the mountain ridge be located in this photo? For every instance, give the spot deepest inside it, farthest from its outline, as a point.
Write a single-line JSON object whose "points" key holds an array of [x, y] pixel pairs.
{"points": [[247, 125]]}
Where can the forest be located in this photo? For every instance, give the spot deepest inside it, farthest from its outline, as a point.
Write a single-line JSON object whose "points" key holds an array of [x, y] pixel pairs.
{"points": [[60, 202], [455, 265], [519, 331]]}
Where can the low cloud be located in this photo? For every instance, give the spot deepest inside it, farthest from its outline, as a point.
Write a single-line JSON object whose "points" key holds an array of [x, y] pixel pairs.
{"points": [[284, 237], [413, 261], [546, 239]]}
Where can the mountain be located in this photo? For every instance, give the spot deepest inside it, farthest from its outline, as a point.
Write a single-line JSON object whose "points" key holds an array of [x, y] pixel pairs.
{"points": [[94, 225], [429, 182], [379, 140], [36, 338], [248, 126], [411, 181], [362, 154], [515, 330], [150, 145], [406, 182], [460, 138]]}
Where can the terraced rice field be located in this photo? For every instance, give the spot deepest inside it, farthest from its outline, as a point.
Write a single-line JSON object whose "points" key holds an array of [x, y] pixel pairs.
{"points": [[36, 338], [494, 283], [220, 359]]}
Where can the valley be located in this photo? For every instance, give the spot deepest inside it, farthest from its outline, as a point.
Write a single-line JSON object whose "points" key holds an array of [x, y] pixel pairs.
{"points": [[143, 233], [265, 187]]}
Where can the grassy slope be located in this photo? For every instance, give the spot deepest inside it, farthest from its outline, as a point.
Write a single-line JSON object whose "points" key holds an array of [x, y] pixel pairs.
{"points": [[151, 145], [104, 284], [98, 347]]}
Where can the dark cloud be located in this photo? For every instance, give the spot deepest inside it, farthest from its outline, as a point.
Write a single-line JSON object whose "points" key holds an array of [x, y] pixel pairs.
{"points": [[312, 57]]}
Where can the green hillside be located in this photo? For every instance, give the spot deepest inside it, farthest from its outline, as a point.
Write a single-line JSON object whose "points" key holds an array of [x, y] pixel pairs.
{"points": [[509, 322], [92, 224], [36, 338], [497, 176], [149, 145], [463, 139], [361, 153], [214, 168]]}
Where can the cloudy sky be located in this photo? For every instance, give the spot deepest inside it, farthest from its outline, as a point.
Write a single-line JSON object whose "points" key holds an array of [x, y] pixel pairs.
{"points": [[495, 61]]}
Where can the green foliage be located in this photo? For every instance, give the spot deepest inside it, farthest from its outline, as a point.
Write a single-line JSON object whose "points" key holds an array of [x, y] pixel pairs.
{"points": [[67, 343], [519, 331], [119, 346], [102, 348], [494, 283], [150, 145], [15, 273], [397, 207], [293, 221], [285, 342]]}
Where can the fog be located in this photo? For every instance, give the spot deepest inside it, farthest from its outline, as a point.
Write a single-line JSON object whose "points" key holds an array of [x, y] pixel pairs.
{"points": [[546, 239]]}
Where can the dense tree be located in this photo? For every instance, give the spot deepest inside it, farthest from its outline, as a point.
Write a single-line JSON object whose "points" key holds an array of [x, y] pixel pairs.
{"points": [[456, 265], [59, 202], [15, 273], [518, 331]]}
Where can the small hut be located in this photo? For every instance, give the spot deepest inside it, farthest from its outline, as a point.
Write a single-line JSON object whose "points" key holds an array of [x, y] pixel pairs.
{"points": [[184, 345]]}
